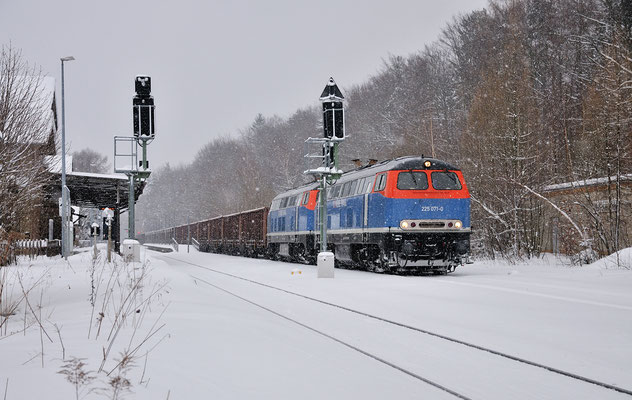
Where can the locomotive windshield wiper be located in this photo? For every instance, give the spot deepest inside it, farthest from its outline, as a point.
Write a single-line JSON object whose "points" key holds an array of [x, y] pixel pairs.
{"points": [[414, 179]]}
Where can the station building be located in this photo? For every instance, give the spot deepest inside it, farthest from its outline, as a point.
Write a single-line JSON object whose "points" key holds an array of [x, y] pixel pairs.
{"points": [[600, 207], [88, 190]]}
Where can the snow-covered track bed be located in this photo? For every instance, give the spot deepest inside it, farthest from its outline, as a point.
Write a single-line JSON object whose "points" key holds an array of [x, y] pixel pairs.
{"points": [[460, 368], [160, 249]]}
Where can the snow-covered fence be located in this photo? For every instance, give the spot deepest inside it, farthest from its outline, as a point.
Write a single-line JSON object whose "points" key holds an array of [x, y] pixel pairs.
{"points": [[13, 244], [34, 247]]}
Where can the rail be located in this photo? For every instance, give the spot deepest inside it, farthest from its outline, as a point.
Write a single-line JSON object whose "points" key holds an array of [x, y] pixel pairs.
{"points": [[174, 244], [340, 341], [552, 369]]}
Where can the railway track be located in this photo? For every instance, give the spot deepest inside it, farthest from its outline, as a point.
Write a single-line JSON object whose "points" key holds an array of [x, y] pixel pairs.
{"points": [[159, 249], [340, 341], [395, 324]]}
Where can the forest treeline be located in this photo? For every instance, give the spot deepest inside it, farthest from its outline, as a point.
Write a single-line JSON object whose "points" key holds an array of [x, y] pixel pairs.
{"points": [[519, 95]]}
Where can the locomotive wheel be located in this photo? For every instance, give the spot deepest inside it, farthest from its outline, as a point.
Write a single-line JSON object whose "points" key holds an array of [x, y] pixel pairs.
{"points": [[382, 269], [401, 260], [302, 255], [380, 264], [309, 258], [364, 257], [273, 252]]}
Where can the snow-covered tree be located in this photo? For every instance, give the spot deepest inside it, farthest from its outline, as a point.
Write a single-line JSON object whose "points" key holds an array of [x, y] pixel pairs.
{"points": [[88, 160]]}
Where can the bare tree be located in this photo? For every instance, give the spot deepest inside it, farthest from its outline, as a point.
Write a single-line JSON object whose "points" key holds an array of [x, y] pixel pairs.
{"points": [[27, 134], [88, 160], [606, 145]]}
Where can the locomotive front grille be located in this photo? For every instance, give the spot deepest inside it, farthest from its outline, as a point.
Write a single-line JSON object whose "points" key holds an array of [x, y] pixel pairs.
{"points": [[430, 225], [421, 225]]}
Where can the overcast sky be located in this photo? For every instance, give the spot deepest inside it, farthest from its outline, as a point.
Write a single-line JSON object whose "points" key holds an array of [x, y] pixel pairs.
{"points": [[214, 64]]}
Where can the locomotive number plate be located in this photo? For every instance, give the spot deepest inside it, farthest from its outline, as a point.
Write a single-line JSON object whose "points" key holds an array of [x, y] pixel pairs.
{"points": [[431, 208]]}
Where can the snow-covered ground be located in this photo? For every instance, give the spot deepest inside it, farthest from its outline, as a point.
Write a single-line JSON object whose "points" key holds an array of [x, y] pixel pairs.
{"points": [[193, 330]]}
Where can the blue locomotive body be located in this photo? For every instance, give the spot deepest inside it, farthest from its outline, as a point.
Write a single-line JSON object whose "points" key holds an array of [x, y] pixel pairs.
{"points": [[407, 213]]}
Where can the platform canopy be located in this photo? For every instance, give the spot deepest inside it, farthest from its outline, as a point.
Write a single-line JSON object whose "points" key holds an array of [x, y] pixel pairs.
{"points": [[95, 190]]}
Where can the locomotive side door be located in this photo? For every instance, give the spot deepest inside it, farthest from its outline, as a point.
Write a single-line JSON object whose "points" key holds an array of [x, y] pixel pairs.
{"points": [[368, 186], [297, 206], [317, 216]]}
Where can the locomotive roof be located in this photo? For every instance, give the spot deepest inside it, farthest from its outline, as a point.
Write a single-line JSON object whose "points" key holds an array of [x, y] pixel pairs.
{"points": [[300, 189], [418, 163], [401, 163]]}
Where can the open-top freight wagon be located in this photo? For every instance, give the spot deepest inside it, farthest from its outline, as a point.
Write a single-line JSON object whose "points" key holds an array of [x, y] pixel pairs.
{"points": [[243, 233]]}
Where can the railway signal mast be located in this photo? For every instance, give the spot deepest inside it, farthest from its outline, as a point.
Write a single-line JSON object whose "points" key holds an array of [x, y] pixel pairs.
{"points": [[334, 134], [144, 133]]}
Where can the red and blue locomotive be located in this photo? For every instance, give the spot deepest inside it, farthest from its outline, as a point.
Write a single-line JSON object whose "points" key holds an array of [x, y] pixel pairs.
{"points": [[407, 214], [410, 213]]}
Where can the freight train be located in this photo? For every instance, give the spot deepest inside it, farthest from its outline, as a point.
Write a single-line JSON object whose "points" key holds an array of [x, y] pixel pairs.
{"points": [[410, 214]]}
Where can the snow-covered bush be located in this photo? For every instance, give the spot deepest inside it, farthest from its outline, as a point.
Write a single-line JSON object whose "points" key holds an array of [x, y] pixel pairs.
{"points": [[586, 256]]}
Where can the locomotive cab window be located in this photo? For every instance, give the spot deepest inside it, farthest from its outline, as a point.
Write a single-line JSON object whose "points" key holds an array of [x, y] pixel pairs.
{"points": [[345, 189], [335, 191], [352, 191], [445, 180], [283, 202], [380, 183], [360, 188], [412, 180]]}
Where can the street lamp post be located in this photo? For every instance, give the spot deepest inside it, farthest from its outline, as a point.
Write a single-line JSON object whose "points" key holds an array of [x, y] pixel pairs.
{"points": [[64, 195]]}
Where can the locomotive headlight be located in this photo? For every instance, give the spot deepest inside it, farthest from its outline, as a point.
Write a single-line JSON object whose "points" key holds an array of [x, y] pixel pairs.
{"points": [[404, 224], [427, 164], [458, 224]]}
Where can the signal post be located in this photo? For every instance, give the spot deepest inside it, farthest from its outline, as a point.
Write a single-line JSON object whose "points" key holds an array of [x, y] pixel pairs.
{"points": [[127, 147], [334, 134]]}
